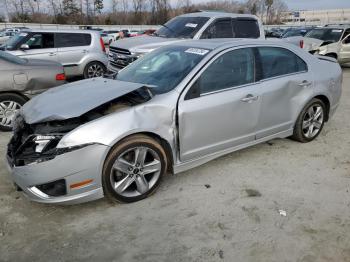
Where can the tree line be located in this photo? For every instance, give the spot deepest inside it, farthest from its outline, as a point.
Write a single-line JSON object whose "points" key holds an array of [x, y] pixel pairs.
{"points": [[130, 11]]}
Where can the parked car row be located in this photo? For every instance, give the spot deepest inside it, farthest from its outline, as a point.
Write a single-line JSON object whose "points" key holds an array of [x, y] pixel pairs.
{"points": [[110, 36]]}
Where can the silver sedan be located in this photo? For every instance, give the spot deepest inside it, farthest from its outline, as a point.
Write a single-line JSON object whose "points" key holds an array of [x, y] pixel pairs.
{"points": [[20, 80], [173, 109]]}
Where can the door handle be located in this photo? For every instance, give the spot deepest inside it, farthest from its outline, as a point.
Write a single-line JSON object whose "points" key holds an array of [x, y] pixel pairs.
{"points": [[85, 51], [305, 83], [249, 98], [52, 54]]}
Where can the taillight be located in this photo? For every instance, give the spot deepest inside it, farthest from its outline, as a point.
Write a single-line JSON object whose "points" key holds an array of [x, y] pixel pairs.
{"points": [[102, 45], [60, 77], [301, 43]]}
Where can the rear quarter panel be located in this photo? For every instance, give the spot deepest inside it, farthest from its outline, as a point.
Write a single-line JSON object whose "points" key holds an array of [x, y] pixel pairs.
{"points": [[328, 80]]}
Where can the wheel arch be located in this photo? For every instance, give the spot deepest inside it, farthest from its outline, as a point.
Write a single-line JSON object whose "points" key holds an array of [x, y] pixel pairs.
{"points": [[14, 92], [163, 142], [327, 103]]}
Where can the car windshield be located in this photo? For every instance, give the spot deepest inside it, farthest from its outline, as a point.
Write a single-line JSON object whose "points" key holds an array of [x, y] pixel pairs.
{"points": [[12, 58], [164, 68], [291, 33], [326, 34], [181, 27], [14, 41]]}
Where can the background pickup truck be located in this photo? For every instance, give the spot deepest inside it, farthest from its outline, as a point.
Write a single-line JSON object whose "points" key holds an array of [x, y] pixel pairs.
{"points": [[200, 25]]}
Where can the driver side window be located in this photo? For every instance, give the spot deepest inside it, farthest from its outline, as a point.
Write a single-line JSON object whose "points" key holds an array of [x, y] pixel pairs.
{"points": [[347, 37], [232, 69], [219, 29], [40, 41]]}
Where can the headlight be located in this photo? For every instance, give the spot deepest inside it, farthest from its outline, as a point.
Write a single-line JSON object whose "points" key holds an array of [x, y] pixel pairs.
{"points": [[45, 143], [138, 54]]}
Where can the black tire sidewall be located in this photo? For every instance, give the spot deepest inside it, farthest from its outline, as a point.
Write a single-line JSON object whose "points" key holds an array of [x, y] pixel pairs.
{"points": [[15, 98], [122, 147]]}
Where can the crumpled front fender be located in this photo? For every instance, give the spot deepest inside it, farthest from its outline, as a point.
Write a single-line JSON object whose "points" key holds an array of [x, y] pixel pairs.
{"points": [[150, 117]]}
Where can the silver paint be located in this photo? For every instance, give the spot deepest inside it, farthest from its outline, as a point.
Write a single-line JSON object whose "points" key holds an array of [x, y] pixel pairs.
{"points": [[196, 130]]}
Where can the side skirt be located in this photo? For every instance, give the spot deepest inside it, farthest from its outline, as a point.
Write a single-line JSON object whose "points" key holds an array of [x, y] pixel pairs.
{"points": [[184, 166]]}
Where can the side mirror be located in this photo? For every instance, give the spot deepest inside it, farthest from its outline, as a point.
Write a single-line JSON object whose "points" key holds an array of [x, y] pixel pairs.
{"points": [[346, 40], [24, 47]]}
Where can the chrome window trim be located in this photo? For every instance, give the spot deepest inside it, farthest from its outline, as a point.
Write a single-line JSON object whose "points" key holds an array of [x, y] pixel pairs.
{"points": [[197, 74], [253, 83]]}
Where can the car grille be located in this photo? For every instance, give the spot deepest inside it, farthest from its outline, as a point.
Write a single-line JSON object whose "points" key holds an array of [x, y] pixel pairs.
{"points": [[119, 57]]}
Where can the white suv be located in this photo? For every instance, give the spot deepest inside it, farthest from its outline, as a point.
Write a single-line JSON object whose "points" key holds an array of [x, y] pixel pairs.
{"points": [[81, 52], [200, 25]]}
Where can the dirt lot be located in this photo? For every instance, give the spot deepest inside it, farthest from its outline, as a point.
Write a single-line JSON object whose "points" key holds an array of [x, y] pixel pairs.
{"points": [[226, 210]]}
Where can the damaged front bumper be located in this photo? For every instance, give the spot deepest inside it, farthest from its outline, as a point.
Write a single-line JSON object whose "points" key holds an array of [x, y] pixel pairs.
{"points": [[55, 181]]}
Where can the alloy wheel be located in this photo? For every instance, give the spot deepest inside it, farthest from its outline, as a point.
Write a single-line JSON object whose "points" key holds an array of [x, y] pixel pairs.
{"points": [[8, 110], [95, 70], [135, 171], [313, 121]]}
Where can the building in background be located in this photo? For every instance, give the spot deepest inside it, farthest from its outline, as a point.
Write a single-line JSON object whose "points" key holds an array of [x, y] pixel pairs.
{"points": [[317, 17]]}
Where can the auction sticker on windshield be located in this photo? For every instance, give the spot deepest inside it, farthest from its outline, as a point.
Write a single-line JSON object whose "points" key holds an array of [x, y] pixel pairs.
{"points": [[191, 25], [197, 51]]}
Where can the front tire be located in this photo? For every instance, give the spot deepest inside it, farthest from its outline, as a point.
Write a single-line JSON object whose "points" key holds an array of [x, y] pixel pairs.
{"points": [[310, 121], [9, 105], [94, 69], [134, 169]]}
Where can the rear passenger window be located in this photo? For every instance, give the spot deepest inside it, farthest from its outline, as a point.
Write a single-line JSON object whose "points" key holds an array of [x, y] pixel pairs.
{"points": [[72, 39], [277, 61], [231, 69], [246, 28]]}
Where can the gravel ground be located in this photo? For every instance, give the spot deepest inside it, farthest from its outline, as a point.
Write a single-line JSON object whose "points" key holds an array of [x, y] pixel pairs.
{"points": [[226, 210]]}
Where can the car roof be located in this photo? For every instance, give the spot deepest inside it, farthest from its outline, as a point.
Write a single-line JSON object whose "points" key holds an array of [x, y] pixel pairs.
{"points": [[212, 44], [61, 31], [216, 14]]}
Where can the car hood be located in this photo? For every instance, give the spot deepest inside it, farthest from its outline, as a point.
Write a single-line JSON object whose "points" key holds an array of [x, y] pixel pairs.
{"points": [[144, 43], [75, 99], [311, 44]]}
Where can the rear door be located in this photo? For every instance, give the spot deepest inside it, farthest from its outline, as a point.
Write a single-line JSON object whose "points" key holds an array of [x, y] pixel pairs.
{"points": [[41, 46], [284, 82], [72, 48], [221, 108]]}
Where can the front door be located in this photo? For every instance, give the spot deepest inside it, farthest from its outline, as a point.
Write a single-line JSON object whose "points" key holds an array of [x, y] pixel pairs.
{"points": [[41, 46], [225, 111]]}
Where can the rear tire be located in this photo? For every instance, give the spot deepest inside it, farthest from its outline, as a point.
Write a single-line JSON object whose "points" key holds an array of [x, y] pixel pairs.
{"points": [[94, 69], [134, 169], [310, 121], [9, 105]]}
